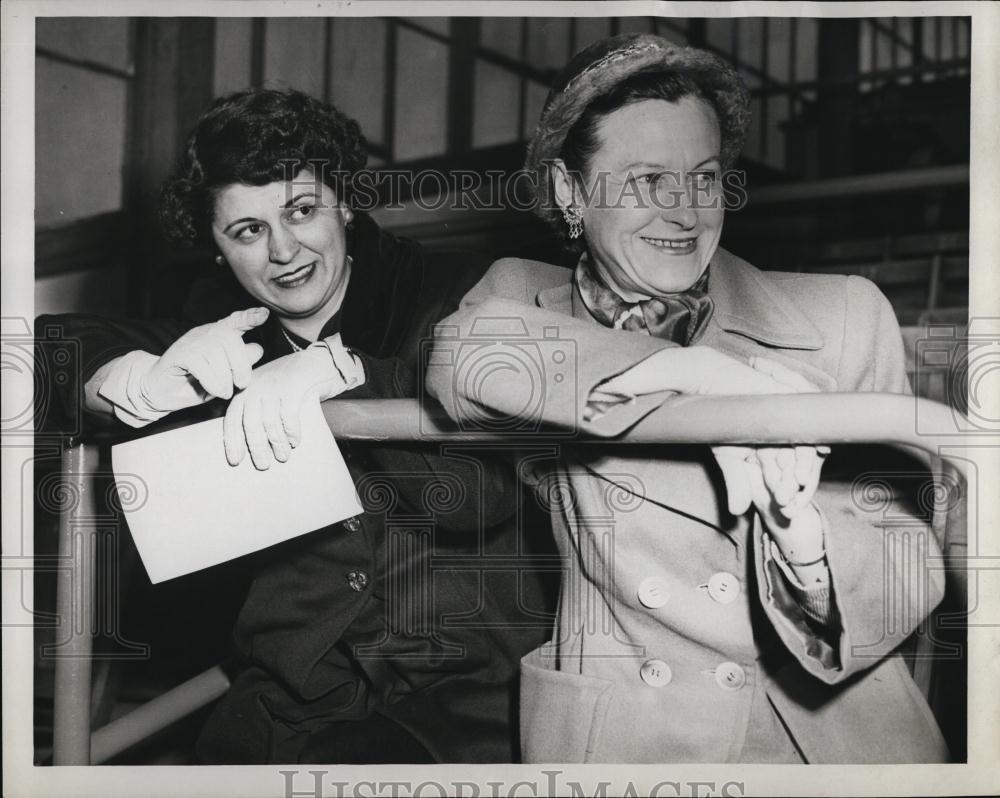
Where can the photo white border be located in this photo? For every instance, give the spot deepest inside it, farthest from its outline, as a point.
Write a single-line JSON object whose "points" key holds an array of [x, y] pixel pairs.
{"points": [[21, 778]]}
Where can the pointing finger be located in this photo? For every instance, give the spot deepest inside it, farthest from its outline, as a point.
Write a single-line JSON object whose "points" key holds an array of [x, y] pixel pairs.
{"points": [[243, 320]]}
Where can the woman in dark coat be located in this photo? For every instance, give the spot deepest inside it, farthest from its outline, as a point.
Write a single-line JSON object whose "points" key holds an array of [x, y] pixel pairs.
{"points": [[354, 643]]}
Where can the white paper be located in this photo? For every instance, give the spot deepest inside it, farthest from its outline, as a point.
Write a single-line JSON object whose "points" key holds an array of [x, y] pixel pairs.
{"points": [[188, 508]]}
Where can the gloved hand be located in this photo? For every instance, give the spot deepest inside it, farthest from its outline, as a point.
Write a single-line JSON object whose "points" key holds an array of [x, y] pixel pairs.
{"points": [[779, 481], [206, 362], [265, 417], [703, 370]]}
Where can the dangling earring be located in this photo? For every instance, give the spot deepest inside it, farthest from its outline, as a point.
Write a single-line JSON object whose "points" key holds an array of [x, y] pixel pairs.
{"points": [[219, 260], [574, 220], [348, 216]]}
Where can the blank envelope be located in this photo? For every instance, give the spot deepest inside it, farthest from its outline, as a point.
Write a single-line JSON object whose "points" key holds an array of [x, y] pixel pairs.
{"points": [[187, 508]]}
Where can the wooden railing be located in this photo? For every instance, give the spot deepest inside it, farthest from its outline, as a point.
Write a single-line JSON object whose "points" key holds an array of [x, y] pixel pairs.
{"points": [[804, 418]]}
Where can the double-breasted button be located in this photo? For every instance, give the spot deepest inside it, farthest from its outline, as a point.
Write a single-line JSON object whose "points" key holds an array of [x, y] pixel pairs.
{"points": [[730, 676], [653, 592], [723, 587], [352, 524], [358, 580], [656, 673]]}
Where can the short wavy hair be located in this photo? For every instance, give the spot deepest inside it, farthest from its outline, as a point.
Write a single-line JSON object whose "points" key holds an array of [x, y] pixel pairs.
{"points": [[251, 137]]}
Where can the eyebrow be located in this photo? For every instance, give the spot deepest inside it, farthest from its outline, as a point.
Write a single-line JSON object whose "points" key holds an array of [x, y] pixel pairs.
{"points": [[239, 221], [288, 204], [297, 197], [660, 166]]}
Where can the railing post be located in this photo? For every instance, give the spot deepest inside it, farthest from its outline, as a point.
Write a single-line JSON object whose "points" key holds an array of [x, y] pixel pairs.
{"points": [[145, 721], [75, 606]]}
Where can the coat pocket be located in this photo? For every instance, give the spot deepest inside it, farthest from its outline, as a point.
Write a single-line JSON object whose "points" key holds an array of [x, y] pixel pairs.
{"points": [[562, 713]]}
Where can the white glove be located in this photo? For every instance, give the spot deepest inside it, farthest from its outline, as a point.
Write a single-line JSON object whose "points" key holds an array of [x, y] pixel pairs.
{"points": [[265, 417], [206, 362], [703, 370], [779, 481]]}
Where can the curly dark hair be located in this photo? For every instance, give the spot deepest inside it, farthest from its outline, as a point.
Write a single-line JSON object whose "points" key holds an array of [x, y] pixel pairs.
{"points": [[252, 137]]}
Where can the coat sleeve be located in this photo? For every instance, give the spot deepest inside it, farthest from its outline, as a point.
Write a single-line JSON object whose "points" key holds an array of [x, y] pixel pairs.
{"points": [[879, 542], [500, 362], [469, 490]]}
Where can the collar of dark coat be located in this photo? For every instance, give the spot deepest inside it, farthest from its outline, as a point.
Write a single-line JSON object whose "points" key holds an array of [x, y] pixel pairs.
{"points": [[386, 280], [746, 303]]}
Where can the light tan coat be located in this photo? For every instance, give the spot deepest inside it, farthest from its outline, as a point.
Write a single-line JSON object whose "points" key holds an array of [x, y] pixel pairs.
{"points": [[624, 681]]}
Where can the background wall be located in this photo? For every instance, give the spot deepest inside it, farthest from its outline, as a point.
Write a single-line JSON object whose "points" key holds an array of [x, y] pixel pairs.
{"points": [[831, 99], [80, 127]]}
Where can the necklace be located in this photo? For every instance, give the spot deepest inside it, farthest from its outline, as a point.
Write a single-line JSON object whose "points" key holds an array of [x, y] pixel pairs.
{"points": [[291, 343]]}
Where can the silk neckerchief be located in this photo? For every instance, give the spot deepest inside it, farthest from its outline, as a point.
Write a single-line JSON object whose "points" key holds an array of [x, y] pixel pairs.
{"points": [[680, 318]]}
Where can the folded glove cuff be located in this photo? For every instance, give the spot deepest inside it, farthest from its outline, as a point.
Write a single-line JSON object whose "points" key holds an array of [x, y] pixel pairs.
{"points": [[815, 596], [347, 366], [124, 389]]}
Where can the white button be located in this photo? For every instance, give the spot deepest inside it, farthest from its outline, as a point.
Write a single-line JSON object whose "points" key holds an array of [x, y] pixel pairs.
{"points": [[653, 592], [730, 676], [656, 673], [723, 587]]}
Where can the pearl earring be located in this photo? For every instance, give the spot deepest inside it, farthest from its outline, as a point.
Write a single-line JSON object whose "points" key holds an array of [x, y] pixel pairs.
{"points": [[219, 260]]}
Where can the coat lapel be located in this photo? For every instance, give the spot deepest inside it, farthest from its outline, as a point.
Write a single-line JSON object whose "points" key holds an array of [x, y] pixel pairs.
{"points": [[559, 298], [383, 292], [745, 305], [753, 316]]}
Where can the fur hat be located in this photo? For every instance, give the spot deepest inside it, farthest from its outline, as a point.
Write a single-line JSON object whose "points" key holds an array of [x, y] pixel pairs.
{"points": [[599, 68]]}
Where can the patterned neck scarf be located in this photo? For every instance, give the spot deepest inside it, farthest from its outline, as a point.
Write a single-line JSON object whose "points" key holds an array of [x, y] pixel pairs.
{"points": [[680, 318]]}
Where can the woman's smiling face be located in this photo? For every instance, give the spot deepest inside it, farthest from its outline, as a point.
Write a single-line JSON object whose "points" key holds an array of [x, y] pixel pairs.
{"points": [[660, 224], [286, 244]]}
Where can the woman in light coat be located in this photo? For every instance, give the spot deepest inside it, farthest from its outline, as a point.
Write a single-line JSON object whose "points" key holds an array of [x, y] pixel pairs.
{"points": [[717, 605]]}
